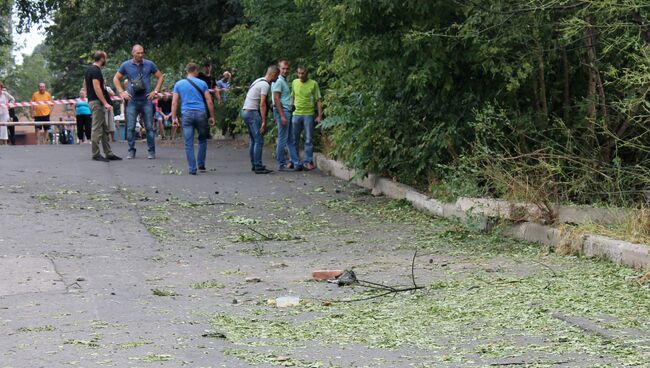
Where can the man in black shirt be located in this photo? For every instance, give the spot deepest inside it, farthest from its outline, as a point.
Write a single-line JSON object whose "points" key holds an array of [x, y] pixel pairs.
{"points": [[164, 113], [99, 101], [206, 76]]}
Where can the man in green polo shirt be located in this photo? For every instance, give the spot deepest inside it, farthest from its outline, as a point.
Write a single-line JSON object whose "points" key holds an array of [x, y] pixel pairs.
{"points": [[306, 98]]}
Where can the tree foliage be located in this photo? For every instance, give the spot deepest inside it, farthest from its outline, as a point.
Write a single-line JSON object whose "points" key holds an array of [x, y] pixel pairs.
{"points": [[172, 33], [22, 80], [544, 100]]}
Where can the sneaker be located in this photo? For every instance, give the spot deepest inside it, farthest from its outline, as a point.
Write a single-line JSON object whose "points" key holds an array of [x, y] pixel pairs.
{"points": [[100, 158], [261, 168], [283, 168], [192, 172], [202, 169], [113, 157], [263, 171], [151, 156], [130, 155], [297, 168], [309, 166]]}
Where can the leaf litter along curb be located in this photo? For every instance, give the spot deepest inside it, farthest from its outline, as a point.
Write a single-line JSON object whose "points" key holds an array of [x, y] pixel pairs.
{"points": [[484, 303], [425, 319]]}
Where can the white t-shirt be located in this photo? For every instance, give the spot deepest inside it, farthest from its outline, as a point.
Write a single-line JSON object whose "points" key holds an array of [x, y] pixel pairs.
{"points": [[258, 89]]}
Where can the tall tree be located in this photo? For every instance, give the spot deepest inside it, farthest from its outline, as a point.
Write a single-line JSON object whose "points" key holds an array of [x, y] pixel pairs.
{"points": [[24, 78]]}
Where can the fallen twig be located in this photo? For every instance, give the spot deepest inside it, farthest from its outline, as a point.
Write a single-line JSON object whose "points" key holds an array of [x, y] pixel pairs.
{"points": [[415, 254], [548, 283], [547, 266], [266, 237], [527, 363]]}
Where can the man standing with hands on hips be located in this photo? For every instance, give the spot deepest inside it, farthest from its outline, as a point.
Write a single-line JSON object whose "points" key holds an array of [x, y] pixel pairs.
{"points": [[98, 99], [139, 94], [196, 103]]}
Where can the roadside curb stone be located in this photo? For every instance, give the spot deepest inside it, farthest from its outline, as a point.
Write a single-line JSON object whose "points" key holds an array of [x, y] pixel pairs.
{"points": [[479, 211], [620, 252]]}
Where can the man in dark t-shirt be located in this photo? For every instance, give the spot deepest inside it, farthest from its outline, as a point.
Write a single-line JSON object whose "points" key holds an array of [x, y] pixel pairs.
{"points": [[164, 112], [206, 76], [100, 106], [211, 81]]}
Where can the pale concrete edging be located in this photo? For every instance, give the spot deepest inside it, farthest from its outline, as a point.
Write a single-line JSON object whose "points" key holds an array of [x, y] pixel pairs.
{"points": [[617, 251]]}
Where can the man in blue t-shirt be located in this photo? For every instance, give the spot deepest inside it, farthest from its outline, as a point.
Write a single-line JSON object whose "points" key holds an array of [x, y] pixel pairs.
{"points": [[282, 113], [194, 95], [139, 95]]}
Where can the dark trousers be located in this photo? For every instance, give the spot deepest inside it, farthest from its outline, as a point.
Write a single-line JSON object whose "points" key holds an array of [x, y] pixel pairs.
{"points": [[12, 134], [84, 126]]}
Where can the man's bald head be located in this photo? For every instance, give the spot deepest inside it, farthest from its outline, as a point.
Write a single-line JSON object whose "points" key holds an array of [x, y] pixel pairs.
{"points": [[137, 52]]}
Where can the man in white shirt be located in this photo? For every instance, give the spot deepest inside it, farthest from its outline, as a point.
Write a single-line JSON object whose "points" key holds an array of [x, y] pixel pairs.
{"points": [[254, 112]]}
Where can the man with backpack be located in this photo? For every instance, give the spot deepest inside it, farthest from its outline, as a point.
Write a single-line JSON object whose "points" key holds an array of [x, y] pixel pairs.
{"points": [[196, 103], [139, 96], [254, 112]]}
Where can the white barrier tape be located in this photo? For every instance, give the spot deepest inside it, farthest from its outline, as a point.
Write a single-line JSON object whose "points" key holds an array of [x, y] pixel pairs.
{"points": [[63, 102], [35, 123]]}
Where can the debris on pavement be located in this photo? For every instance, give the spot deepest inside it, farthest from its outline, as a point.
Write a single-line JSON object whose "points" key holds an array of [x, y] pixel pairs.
{"points": [[348, 277], [287, 301], [323, 275], [214, 335]]}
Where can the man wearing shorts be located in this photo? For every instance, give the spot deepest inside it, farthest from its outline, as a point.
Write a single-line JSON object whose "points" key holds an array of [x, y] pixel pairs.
{"points": [[41, 112]]}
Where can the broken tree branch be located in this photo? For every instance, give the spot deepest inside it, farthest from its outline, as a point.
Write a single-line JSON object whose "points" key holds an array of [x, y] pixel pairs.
{"points": [[389, 289]]}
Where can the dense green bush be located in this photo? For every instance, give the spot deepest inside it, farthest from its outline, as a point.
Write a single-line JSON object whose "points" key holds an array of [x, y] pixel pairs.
{"points": [[543, 101]]}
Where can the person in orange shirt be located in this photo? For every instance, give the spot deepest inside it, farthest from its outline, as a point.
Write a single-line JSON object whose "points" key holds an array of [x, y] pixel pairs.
{"points": [[42, 112]]}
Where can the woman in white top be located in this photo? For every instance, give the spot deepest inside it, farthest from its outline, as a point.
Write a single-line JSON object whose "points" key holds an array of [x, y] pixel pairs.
{"points": [[5, 98]]}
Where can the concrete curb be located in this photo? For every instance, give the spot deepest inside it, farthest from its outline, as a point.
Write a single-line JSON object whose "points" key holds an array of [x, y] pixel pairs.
{"points": [[481, 211]]}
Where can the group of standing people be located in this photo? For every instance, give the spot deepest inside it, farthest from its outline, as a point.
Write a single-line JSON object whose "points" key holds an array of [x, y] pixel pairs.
{"points": [[195, 104], [296, 109]]}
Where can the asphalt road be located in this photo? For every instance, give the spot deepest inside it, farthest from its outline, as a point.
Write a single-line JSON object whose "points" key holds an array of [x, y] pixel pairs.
{"points": [[137, 264]]}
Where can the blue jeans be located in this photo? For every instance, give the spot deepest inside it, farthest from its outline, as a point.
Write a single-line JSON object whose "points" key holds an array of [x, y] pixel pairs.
{"points": [[298, 123], [195, 119], [253, 121], [133, 108], [285, 138]]}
